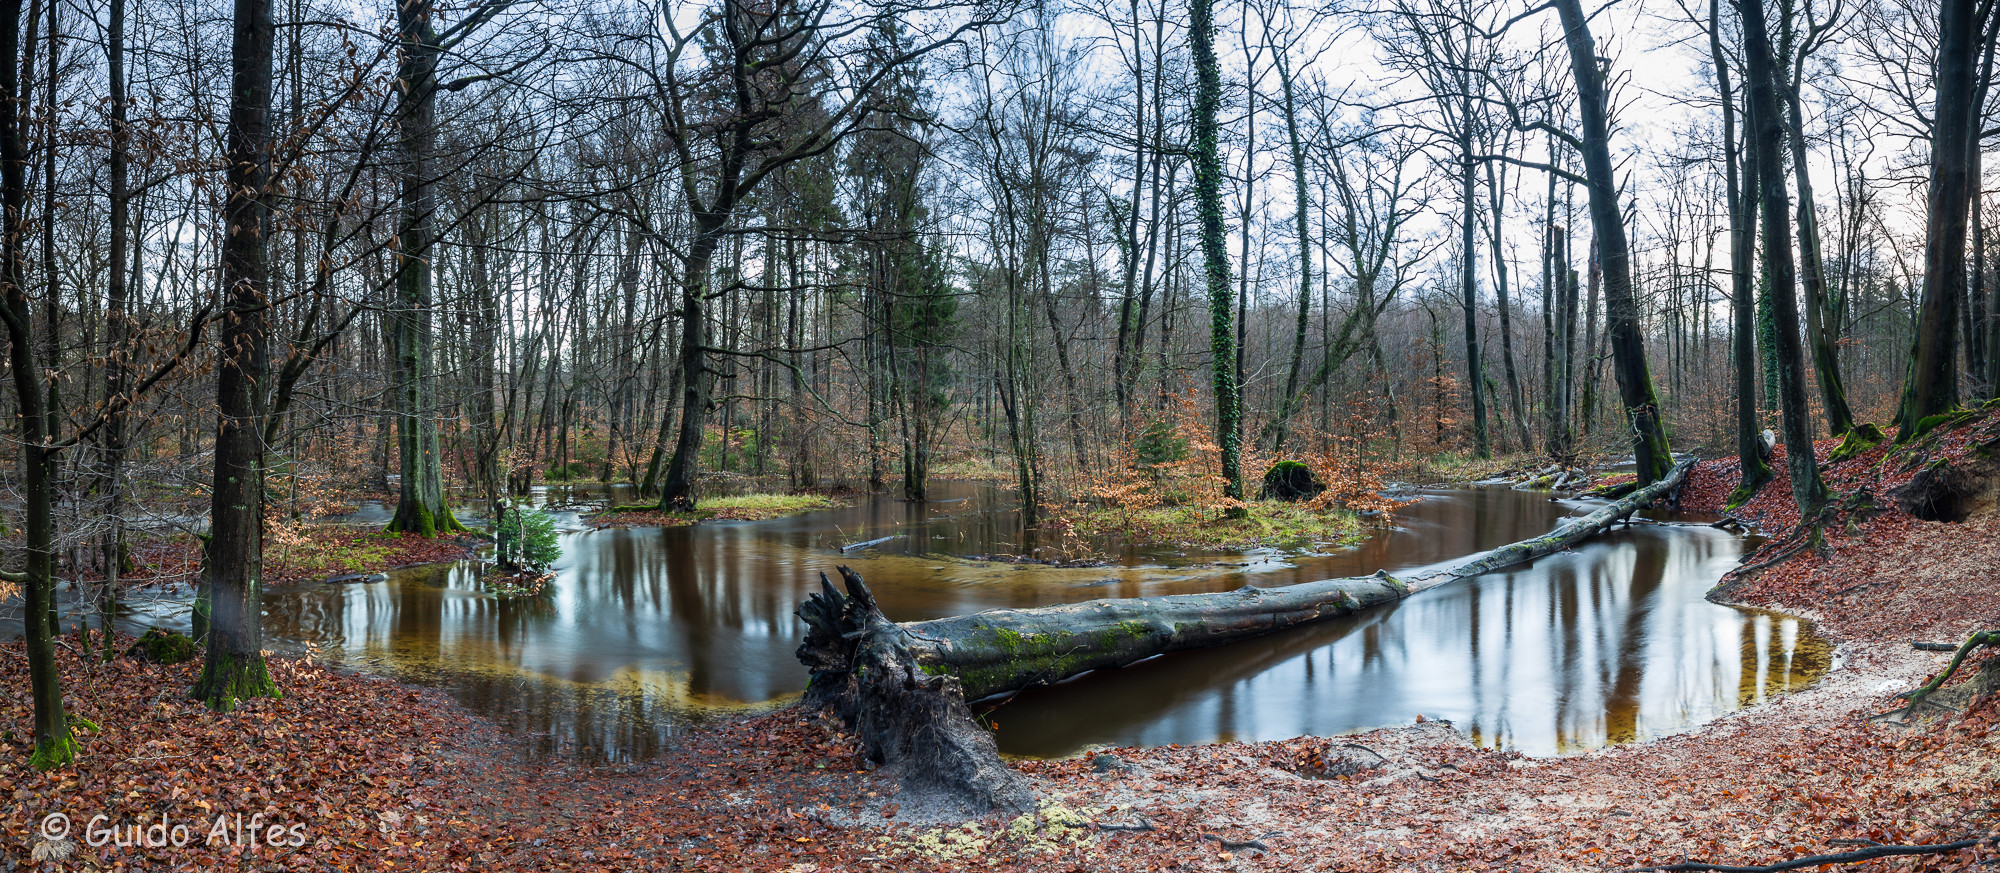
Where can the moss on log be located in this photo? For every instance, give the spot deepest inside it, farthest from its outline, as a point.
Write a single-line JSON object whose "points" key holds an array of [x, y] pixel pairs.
{"points": [[1004, 650], [903, 687]]}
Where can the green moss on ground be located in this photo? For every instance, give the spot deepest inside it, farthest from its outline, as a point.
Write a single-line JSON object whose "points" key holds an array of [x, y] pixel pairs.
{"points": [[741, 507], [165, 647], [1270, 524], [1863, 437]]}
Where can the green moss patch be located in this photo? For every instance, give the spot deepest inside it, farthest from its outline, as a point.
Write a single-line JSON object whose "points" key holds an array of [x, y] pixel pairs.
{"points": [[1857, 441], [741, 507], [1271, 524], [164, 647]]}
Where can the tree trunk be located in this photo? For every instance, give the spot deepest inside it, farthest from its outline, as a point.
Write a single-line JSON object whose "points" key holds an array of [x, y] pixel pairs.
{"points": [[677, 492], [1768, 141], [420, 505], [1214, 250], [1289, 403], [903, 687], [234, 567], [1932, 385], [1496, 197], [1126, 227], [1825, 354], [54, 744], [1628, 345], [1475, 372], [117, 377], [1754, 472]]}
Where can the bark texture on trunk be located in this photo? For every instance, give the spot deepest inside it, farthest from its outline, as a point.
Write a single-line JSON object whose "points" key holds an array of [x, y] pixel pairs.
{"points": [[420, 507], [233, 568], [1766, 140], [1621, 305], [1741, 180], [1931, 388], [903, 687]]}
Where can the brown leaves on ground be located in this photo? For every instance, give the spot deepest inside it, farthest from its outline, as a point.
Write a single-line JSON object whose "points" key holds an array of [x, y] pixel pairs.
{"points": [[385, 778], [306, 553], [341, 755]]}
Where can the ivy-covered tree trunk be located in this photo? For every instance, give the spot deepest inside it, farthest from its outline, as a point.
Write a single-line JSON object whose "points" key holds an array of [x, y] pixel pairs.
{"points": [[1753, 471], [1768, 142], [1628, 345], [1931, 387], [420, 505], [1214, 248], [234, 570]]}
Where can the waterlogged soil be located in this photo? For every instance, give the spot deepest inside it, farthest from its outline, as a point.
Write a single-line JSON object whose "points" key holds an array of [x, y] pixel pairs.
{"points": [[648, 636], [426, 785]]}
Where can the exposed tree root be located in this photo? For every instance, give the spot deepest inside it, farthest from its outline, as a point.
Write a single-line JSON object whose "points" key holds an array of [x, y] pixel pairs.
{"points": [[1240, 845], [914, 722], [1977, 640], [904, 688], [1803, 534], [1855, 857]]}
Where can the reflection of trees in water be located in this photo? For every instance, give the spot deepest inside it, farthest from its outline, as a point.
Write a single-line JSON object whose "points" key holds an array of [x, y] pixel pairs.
{"points": [[573, 721], [1621, 704], [1607, 643], [646, 629]]}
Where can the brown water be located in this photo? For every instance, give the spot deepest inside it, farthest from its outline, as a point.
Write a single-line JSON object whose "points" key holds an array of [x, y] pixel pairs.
{"points": [[651, 631]]}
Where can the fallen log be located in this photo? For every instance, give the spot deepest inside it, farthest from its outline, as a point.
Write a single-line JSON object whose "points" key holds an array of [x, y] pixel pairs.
{"points": [[904, 687], [874, 542]]}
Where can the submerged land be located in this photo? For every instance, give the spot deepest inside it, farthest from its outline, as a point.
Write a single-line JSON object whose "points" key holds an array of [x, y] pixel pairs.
{"points": [[385, 776]]}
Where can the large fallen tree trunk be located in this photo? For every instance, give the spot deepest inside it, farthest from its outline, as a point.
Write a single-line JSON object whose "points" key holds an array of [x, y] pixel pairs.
{"points": [[904, 687]]}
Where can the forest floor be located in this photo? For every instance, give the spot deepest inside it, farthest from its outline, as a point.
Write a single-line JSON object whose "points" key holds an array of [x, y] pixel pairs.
{"points": [[1269, 524], [740, 507], [304, 553], [1455, 468], [383, 777]]}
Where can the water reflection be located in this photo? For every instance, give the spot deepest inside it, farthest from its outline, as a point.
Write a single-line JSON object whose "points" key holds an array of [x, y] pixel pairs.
{"points": [[1606, 644], [647, 632]]}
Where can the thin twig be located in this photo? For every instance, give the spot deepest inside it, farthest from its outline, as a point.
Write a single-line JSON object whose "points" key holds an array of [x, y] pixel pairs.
{"points": [[1854, 857]]}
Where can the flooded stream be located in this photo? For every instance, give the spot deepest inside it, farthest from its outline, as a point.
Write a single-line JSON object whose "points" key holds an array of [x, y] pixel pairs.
{"points": [[649, 631]]}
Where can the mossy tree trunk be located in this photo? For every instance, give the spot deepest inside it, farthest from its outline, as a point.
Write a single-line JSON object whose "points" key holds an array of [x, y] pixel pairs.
{"points": [[420, 505], [1621, 306], [54, 744], [1931, 388], [1754, 472], [1214, 248], [1767, 140], [904, 687], [234, 569]]}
